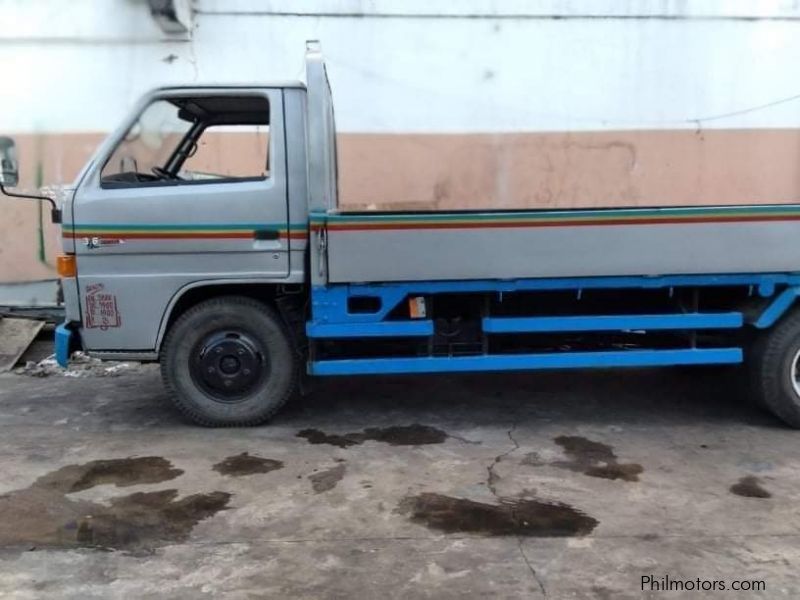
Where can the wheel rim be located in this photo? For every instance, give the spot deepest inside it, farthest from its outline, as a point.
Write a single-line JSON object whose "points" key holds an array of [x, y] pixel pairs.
{"points": [[796, 373], [228, 365]]}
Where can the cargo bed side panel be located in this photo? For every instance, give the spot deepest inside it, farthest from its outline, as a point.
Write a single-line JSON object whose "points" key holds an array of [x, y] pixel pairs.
{"points": [[436, 246]]}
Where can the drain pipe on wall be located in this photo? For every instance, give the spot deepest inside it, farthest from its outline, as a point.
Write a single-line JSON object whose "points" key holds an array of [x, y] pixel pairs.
{"points": [[40, 227], [39, 181]]}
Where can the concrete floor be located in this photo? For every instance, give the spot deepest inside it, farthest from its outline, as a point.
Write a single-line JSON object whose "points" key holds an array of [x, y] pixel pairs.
{"points": [[561, 485]]}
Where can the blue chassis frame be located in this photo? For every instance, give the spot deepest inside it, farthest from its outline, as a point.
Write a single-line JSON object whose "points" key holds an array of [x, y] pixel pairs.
{"points": [[332, 320]]}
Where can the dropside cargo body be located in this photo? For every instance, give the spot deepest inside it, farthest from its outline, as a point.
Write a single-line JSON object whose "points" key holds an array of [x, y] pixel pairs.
{"points": [[236, 282]]}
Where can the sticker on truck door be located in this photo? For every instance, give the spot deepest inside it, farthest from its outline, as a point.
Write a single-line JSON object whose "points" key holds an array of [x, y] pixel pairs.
{"points": [[101, 308]]}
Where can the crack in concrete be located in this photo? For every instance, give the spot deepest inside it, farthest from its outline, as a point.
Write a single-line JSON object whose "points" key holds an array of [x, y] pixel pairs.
{"points": [[464, 440], [492, 477], [535, 575]]}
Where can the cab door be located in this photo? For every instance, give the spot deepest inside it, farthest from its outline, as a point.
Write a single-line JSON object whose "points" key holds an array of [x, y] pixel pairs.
{"points": [[192, 190]]}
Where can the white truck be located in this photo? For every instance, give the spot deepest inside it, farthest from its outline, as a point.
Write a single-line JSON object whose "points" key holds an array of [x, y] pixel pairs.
{"points": [[205, 234]]}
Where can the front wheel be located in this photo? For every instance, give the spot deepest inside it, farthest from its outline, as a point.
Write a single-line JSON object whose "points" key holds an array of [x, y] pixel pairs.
{"points": [[229, 362], [775, 369]]}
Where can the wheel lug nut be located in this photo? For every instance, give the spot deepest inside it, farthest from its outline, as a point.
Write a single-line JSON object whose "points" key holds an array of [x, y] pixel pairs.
{"points": [[240, 352], [227, 383], [246, 371], [211, 369]]}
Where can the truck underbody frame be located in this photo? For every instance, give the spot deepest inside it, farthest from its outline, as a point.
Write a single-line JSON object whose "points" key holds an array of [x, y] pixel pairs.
{"points": [[550, 323]]}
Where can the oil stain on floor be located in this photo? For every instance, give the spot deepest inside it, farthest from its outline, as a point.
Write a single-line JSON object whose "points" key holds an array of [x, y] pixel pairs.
{"points": [[533, 518], [246, 464], [327, 479], [398, 435], [749, 487], [121, 472], [43, 515], [590, 458]]}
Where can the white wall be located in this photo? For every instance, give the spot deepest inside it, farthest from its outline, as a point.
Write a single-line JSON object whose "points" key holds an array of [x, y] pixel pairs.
{"points": [[419, 66]]}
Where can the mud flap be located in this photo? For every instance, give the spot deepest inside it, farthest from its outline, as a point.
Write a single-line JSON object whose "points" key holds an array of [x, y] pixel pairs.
{"points": [[66, 339]]}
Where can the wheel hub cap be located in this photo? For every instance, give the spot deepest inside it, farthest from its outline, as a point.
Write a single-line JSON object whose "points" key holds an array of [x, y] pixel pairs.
{"points": [[228, 364]]}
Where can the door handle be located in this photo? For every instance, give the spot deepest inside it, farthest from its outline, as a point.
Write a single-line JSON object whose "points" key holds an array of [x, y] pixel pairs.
{"points": [[266, 234]]}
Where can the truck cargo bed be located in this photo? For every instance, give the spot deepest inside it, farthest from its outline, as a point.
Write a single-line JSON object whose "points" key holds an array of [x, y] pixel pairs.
{"points": [[364, 247]]}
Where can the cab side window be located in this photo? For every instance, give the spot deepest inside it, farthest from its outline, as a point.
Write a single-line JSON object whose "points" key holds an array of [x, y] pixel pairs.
{"points": [[189, 140], [229, 152]]}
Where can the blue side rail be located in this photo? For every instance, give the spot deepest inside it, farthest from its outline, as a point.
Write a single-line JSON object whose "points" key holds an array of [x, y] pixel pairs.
{"points": [[613, 323]]}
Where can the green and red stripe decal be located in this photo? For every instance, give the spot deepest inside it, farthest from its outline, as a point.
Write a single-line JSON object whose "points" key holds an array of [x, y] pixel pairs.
{"points": [[184, 232], [440, 221], [557, 218]]}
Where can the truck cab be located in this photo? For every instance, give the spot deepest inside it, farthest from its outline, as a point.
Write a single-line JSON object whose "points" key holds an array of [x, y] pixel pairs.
{"points": [[197, 187], [202, 194], [201, 188]]}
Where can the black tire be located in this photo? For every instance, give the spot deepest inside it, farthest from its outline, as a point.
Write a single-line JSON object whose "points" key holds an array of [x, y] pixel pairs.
{"points": [[229, 362], [773, 369]]}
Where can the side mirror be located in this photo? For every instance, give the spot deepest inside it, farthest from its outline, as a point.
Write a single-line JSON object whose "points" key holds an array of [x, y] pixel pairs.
{"points": [[9, 169], [9, 177]]}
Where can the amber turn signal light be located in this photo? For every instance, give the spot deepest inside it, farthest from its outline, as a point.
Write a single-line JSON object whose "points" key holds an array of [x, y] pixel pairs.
{"points": [[65, 265]]}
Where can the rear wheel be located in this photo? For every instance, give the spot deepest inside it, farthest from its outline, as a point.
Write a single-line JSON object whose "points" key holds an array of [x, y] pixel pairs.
{"points": [[229, 362], [776, 369]]}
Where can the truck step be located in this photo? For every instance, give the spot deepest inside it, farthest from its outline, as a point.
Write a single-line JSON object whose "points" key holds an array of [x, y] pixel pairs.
{"points": [[526, 362]]}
